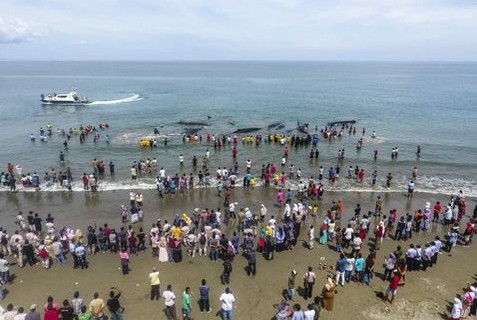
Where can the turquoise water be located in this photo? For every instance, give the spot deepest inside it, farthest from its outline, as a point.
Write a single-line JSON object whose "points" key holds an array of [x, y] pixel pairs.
{"points": [[433, 105]]}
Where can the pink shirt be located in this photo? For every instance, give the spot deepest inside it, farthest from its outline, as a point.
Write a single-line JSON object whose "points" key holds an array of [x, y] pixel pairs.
{"points": [[124, 255]]}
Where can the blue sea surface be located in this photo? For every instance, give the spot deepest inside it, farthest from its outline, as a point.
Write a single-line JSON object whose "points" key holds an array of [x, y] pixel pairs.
{"points": [[433, 105]]}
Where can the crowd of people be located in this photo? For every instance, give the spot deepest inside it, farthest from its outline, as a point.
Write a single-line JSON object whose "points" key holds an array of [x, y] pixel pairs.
{"points": [[225, 233], [229, 231]]}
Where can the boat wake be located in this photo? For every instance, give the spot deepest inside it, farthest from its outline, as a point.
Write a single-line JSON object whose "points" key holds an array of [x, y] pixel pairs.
{"points": [[135, 97]]}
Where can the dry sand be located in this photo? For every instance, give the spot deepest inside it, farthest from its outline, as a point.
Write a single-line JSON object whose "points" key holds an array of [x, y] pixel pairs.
{"points": [[425, 296]]}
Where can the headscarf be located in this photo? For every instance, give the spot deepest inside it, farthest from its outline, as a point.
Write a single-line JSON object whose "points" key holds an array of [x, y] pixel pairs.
{"points": [[329, 283], [457, 303]]}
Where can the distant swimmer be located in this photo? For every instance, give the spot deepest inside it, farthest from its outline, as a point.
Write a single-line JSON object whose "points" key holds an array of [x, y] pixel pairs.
{"points": [[32, 137], [418, 152], [62, 157], [373, 135], [156, 131]]}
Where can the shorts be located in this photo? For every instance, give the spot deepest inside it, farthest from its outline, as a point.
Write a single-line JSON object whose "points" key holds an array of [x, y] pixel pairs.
{"points": [[187, 312], [390, 291]]}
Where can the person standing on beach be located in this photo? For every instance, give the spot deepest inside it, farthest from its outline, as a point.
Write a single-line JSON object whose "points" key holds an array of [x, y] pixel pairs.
{"points": [[124, 257], [392, 288], [291, 285], [228, 300], [204, 297], [169, 300], [96, 307], [311, 237], [155, 284], [186, 306], [77, 303], [33, 314], [252, 262], [308, 281], [113, 304], [378, 207]]}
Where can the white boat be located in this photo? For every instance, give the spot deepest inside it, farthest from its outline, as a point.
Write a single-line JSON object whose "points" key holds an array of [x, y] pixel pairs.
{"points": [[71, 98]]}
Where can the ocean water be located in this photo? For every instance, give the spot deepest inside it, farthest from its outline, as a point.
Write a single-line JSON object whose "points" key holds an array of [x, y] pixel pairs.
{"points": [[433, 105]]}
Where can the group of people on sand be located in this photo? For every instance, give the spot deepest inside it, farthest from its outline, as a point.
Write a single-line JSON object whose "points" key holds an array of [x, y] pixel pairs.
{"points": [[75, 309], [355, 266], [227, 232]]}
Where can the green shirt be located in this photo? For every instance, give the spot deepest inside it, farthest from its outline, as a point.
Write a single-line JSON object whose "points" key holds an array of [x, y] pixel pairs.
{"points": [[85, 316], [185, 300]]}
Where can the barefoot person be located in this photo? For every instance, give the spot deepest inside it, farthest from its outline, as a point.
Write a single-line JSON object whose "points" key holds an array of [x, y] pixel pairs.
{"points": [[392, 289]]}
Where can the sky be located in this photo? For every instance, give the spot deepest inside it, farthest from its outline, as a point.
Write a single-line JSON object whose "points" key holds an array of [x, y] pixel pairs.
{"points": [[350, 30]]}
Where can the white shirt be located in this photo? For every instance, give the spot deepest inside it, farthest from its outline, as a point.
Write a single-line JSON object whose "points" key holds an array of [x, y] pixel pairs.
{"points": [[349, 233], [20, 316], [309, 314], [4, 265], [228, 300], [169, 298], [349, 264]]}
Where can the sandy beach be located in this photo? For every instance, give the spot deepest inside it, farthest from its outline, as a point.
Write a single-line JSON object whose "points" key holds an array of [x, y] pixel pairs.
{"points": [[426, 295]]}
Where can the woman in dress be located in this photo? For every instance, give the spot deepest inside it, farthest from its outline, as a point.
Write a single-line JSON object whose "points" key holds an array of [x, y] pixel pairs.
{"points": [[324, 233], [328, 293], [163, 255]]}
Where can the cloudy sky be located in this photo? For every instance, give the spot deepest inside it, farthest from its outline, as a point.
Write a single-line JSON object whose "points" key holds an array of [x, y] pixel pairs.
{"points": [[428, 30]]}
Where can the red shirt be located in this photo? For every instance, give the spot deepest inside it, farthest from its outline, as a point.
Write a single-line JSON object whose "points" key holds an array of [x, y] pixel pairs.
{"points": [[394, 282], [51, 315], [437, 208]]}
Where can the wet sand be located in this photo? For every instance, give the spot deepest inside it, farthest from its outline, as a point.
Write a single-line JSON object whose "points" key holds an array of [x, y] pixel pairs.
{"points": [[425, 295]]}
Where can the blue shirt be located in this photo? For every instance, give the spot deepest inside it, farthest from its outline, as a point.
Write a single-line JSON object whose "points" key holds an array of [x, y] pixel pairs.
{"points": [[341, 265], [359, 264]]}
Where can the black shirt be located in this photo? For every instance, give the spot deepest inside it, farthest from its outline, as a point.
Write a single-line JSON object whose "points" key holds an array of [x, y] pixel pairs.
{"points": [[113, 303], [67, 313], [37, 223]]}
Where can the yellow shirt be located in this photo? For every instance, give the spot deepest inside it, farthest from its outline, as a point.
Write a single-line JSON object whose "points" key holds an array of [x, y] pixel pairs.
{"points": [[96, 307], [154, 277]]}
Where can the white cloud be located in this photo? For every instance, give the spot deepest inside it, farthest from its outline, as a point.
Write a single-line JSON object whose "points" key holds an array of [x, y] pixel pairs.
{"points": [[14, 31]]}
